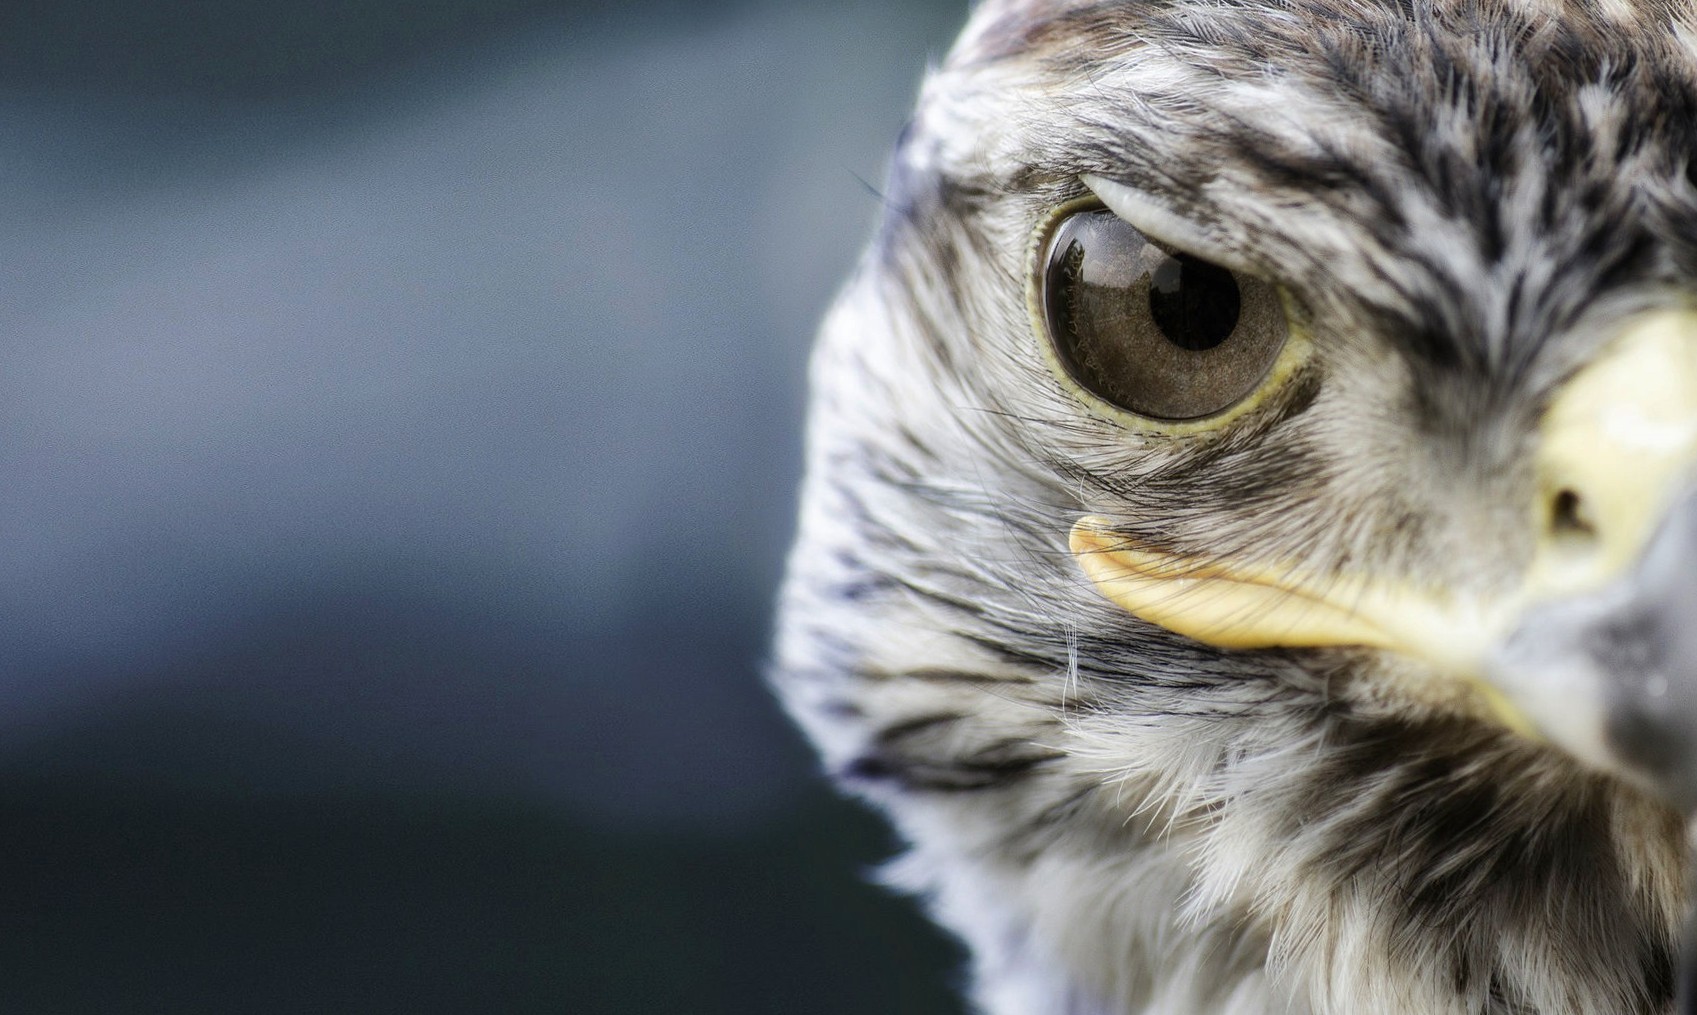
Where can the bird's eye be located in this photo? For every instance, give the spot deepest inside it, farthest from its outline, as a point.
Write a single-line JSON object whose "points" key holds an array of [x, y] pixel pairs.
{"points": [[1156, 332]]}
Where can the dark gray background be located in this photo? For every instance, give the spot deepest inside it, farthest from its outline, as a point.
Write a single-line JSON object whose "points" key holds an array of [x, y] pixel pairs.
{"points": [[399, 429]]}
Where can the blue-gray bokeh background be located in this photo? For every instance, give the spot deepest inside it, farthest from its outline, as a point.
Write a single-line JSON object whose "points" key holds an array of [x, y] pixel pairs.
{"points": [[399, 433]]}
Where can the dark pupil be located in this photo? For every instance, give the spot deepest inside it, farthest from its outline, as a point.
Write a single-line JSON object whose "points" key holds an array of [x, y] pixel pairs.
{"points": [[1194, 303]]}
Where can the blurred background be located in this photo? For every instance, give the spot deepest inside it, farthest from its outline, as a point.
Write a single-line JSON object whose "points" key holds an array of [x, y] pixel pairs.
{"points": [[399, 431]]}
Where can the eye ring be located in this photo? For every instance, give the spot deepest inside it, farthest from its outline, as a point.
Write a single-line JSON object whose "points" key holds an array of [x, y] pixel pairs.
{"points": [[1131, 341]]}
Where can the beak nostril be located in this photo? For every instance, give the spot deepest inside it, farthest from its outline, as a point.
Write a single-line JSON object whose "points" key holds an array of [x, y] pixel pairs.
{"points": [[1568, 519]]}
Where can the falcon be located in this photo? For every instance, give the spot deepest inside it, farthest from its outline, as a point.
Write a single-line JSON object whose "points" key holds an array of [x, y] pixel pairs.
{"points": [[1249, 540]]}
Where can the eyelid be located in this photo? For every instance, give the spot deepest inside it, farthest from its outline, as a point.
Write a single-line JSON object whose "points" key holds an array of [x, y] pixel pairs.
{"points": [[1156, 221]]}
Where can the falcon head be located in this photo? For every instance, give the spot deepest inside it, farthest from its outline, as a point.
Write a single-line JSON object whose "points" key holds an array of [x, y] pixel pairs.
{"points": [[1249, 545]]}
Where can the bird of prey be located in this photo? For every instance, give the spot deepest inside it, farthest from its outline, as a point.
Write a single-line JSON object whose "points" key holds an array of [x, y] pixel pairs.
{"points": [[1249, 547]]}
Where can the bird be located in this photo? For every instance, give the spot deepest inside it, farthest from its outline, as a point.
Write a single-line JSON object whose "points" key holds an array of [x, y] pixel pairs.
{"points": [[1247, 536]]}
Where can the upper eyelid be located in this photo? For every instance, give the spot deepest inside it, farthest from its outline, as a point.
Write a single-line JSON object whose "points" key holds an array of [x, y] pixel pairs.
{"points": [[1158, 222]]}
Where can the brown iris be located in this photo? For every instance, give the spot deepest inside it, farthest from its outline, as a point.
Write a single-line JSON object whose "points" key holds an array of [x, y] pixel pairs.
{"points": [[1156, 332]]}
